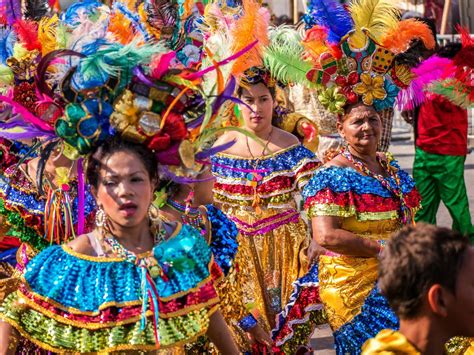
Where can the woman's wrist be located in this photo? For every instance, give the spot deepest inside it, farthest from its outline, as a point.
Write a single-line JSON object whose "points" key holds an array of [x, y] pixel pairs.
{"points": [[247, 323]]}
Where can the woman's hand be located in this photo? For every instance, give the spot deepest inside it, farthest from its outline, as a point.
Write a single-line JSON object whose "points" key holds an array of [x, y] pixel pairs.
{"points": [[258, 335], [314, 251]]}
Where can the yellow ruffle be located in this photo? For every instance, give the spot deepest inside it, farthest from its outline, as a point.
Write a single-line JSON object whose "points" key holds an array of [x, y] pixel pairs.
{"points": [[344, 284]]}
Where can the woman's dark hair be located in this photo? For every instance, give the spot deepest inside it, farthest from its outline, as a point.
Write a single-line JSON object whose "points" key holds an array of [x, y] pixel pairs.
{"points": [[105, 150], [272, 90]]}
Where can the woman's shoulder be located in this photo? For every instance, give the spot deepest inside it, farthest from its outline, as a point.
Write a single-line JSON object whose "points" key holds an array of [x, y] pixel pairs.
{"points": [[284, 139], [82, 245]]}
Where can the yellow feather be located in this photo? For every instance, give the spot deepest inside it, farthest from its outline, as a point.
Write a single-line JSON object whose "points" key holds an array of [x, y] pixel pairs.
{"points": [[47, 34], [251, 26], [376, 16]]}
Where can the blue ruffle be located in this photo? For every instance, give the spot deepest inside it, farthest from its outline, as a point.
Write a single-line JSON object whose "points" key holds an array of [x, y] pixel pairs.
{"points": [[286, 161], [30, 202], [375, 315], [87, 284], [224, 243], [345, 179]]}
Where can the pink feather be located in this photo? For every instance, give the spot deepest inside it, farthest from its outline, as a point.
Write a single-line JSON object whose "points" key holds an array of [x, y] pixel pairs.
{"points": [[430, 70], [161, 64]]}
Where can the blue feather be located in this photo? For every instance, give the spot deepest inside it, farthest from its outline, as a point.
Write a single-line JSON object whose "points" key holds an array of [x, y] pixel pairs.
{"points": [[7, 41], [330, 14]]}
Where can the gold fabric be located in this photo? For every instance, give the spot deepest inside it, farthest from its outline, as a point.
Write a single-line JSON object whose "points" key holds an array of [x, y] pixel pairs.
{"points": [[274, 260], [460, 346], [389, 342], [344, 281]]}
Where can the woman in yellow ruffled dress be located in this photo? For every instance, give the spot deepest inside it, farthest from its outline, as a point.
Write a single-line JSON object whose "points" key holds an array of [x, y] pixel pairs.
{"points": [[255, 186]]}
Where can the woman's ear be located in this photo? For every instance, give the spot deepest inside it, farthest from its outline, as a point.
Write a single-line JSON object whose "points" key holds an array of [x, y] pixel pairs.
{"points": [[340, 128]]}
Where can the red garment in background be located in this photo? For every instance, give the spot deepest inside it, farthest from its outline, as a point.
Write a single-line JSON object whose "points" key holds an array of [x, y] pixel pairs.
{"points": [[442, 127], [434, 11]]}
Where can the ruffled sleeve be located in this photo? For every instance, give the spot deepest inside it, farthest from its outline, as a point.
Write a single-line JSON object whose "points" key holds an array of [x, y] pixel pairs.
{"points": [[224, 244], [343, 192], [80, 303], [305, 164]]}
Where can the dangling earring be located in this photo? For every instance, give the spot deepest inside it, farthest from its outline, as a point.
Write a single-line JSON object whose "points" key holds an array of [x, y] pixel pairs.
{"points": [[100, 218], [153, 213]]}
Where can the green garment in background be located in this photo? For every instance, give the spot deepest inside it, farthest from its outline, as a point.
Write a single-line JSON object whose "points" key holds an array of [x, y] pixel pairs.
{"points": [[441, 178]]}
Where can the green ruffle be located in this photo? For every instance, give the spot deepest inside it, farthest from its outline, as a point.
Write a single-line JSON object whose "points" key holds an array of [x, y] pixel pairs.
{"points": [[55, 336], [20, 230]]}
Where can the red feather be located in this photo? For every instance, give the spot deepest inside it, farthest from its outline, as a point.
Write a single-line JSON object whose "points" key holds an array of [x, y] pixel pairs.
{"points": [[27, 32], [465, 57]]}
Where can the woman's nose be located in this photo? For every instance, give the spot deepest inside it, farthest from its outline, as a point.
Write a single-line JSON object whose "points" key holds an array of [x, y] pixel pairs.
{"points": [[124, 189]]}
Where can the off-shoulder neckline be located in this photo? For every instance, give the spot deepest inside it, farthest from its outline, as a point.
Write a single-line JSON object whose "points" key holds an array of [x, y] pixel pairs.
{"points": [[263, 157], [95, 258]]}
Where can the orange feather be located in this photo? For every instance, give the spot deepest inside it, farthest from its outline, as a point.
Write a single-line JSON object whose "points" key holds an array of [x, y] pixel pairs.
{"points": [[251, 26], [398, 39], [121, 28]]}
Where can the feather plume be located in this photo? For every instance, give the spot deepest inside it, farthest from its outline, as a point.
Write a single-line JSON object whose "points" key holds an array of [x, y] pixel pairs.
{"points": [[465, 58], [398, 39], [251, 26], [218, 23], [47, 34], [434, 68], [331, 15], [121, 29], [12, 10], [62, 36], [116, 58], [27, 32], [284, 56], [7, 41], [376, 16], [455, 91], [36, 9]]}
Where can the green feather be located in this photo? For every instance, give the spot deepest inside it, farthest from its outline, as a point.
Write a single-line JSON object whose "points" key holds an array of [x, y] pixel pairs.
{"points": [[284, 57], [453, 90]]}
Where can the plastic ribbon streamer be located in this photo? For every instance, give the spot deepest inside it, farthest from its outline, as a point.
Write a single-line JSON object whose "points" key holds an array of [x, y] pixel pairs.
{"points": [[149, 292], [58, 220], [80, 197]]}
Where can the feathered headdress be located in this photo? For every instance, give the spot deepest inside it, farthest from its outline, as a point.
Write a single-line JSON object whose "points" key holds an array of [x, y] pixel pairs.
{"points": [[352, 51]]}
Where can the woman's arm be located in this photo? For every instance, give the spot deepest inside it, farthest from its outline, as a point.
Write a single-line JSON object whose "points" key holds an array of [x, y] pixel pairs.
{"points": [[8, 339], [327, 233], [219, 333]]}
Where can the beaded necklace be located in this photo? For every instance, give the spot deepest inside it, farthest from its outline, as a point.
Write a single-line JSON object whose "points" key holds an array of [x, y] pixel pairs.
{"points": [[253, 177], [189, 215], [397, 191], [149, 270]]}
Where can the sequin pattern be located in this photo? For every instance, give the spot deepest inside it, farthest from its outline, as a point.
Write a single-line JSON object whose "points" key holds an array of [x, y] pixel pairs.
{"points": [[275, 239], [73, 296]]}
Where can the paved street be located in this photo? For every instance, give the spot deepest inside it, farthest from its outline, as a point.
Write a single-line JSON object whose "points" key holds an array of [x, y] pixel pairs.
{"points": [[403, 150]]}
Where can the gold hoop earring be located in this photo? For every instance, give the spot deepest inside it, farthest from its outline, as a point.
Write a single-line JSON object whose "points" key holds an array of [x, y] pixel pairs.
{"points": [[100, 218]]}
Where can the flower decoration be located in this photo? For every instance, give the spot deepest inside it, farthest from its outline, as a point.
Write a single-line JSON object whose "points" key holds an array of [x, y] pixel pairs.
{"points": [[332, 99], [255, 75], [370, 88], [346, 84]]}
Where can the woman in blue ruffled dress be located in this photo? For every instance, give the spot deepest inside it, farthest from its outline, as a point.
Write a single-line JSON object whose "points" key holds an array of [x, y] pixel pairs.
{"points": [[134, 283]]}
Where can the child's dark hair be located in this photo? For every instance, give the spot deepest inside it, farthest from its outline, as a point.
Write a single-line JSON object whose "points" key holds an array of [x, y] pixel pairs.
{"points": [[96, 158]]}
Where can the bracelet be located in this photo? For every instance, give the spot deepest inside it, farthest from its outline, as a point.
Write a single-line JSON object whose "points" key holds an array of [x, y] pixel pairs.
{"points": [[247, 323]]}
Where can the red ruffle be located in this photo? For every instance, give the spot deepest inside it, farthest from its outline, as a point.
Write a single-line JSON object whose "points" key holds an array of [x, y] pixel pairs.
{"points": [[308, 297], [114, 314], [362, 202]]}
